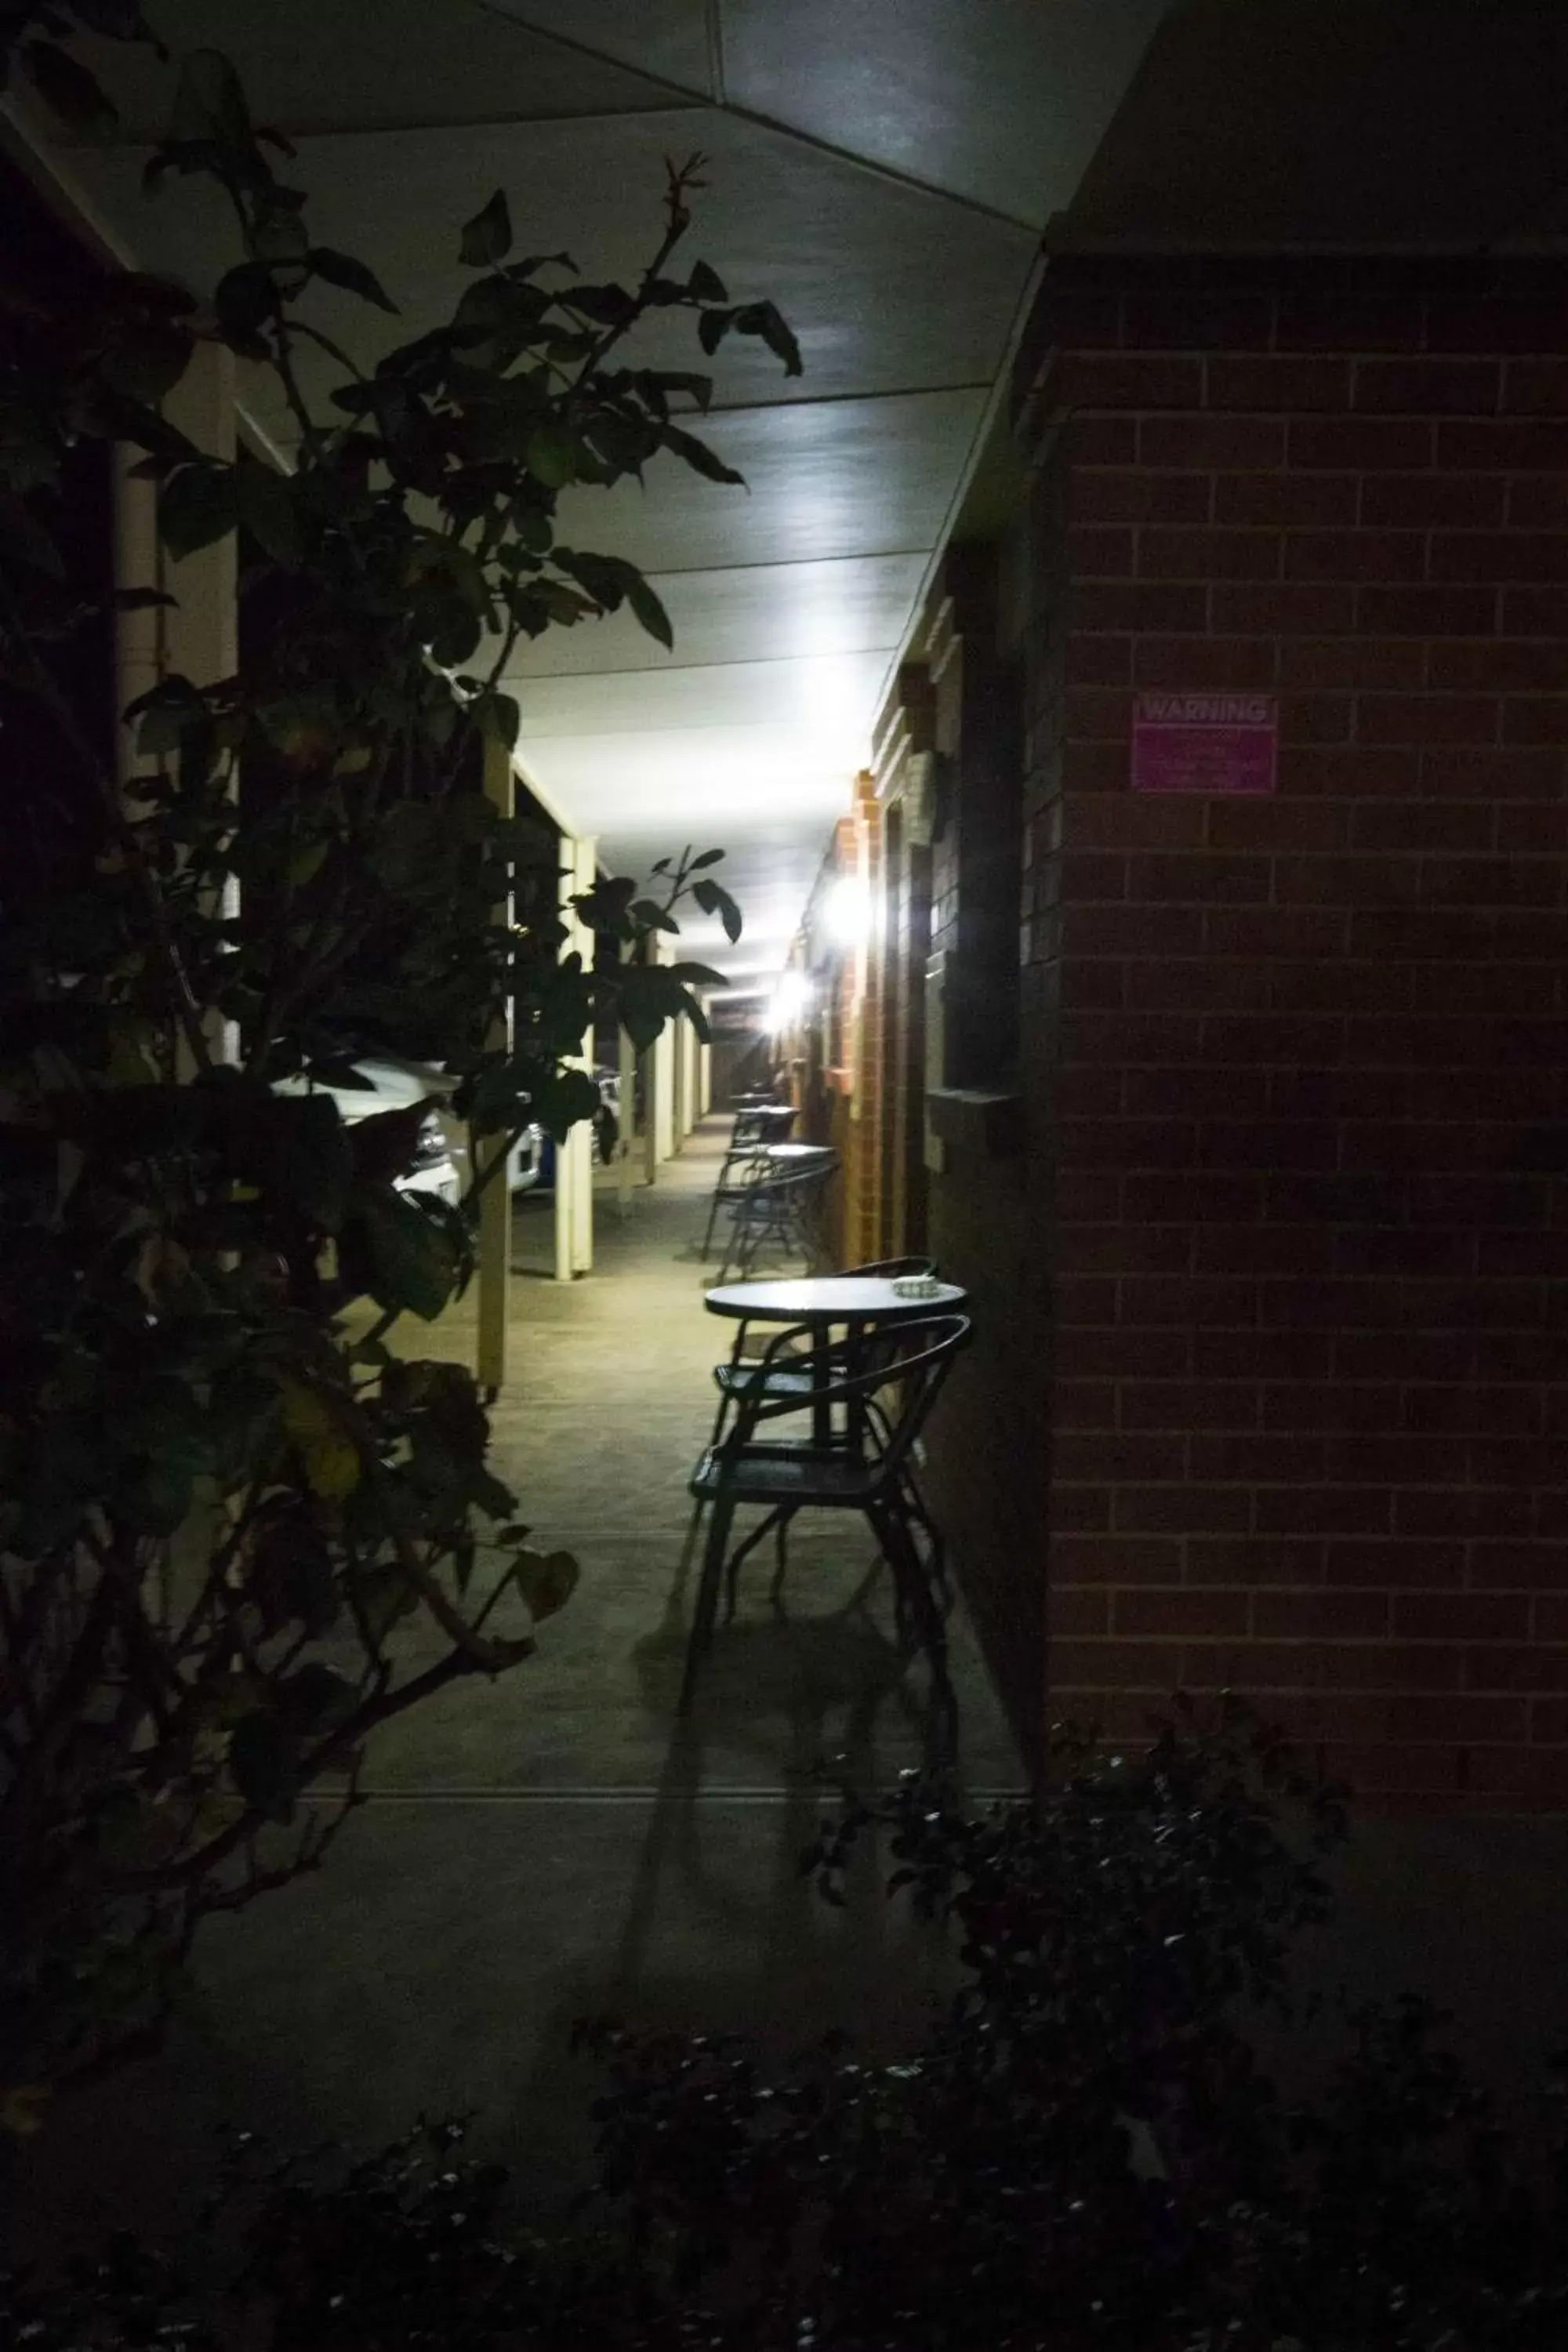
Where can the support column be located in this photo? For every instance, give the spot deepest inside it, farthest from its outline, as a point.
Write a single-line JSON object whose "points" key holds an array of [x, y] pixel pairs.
{"points": [[691, 1053], [624, 1163], [574, 1158], [200, 630], [649, 1065], [662, 1058], [138, 637], [705, 1077], [495, 1201], [680, 1119]]}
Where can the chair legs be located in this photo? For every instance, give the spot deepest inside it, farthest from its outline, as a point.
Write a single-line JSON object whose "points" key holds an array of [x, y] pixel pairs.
{"points": [[713, 1218], [915, 1599], [917, 1587]]}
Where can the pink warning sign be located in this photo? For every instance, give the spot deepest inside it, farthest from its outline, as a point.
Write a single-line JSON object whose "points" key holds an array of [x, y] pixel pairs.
{"points": [[1205, 742]]}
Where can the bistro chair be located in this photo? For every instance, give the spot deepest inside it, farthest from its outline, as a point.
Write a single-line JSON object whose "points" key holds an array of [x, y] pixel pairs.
{"points": [[781, 1211], [864, 1469], [794, 1377], [754, 1125], [747, 1133]]}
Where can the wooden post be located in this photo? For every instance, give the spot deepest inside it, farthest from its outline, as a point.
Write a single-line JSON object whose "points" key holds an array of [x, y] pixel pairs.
{"points": [[200, 629], [495, 1201], [574, 1158], [628, 1091]]}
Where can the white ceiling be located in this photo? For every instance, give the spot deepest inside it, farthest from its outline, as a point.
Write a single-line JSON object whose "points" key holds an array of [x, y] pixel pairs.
{"points": [[881, 169]]}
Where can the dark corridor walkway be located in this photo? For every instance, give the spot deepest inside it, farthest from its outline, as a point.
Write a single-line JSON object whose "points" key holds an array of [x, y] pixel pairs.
{"points": [[554, 1844]]}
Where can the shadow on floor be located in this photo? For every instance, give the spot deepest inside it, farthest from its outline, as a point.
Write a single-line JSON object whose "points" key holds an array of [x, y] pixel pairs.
{"points": [[558, 1844]]}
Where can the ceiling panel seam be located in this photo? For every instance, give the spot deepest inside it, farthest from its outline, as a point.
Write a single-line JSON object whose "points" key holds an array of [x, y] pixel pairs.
{"points": [[489, 121], [887, 172], [784, 563], [716, 50], [525, 679], [837, 399]]}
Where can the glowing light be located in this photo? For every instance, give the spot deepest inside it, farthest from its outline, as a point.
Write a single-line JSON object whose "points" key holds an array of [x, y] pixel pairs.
{"points": [[791, 1003], [847, 911]]}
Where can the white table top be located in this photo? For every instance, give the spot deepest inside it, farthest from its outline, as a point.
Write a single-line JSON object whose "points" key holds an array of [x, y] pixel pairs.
{"points": [[792, 1154], [827, 1299]]}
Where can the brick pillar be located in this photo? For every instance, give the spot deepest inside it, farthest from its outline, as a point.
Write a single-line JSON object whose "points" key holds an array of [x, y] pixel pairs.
{"points": [[864, 1167], [1298, 1060]]}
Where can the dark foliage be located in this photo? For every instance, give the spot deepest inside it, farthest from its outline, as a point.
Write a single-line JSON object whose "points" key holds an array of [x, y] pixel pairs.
{"points": [[1082, 2154], [223, 1494]]}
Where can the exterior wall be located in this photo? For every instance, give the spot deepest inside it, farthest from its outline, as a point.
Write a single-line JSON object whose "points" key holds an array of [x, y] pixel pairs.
{"points": [[842, 1080], [1292, 1066], [971, 1205]]}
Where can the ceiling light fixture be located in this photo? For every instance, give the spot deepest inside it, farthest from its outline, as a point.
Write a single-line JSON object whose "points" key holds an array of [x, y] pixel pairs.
{"points": [[847, 911], [791, 1003]]}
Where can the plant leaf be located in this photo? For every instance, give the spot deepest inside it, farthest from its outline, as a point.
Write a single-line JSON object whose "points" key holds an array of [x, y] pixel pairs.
{"points": [[486, 238], [715, 901], [649, 611], [553, 454], [547, 1581], [413, 1262], [196, 507], [352, 275], [327, 1455], [700, 457], [264, 499]]}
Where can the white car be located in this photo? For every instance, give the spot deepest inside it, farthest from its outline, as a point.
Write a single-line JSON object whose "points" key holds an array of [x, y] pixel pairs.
{"points": [[389, 1085]]}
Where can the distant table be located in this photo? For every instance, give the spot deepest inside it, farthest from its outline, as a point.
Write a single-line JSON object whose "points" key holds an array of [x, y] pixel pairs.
{"points": [[855, 1301], [788, 1156]]}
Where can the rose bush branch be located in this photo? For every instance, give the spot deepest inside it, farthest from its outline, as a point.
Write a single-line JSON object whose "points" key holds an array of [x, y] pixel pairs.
{"points": [[238, 1532]]}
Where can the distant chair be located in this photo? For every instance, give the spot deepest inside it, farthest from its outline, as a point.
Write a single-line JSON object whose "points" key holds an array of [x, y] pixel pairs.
{"points": [[754, 1125], [771, 1211], [863, 1468]]}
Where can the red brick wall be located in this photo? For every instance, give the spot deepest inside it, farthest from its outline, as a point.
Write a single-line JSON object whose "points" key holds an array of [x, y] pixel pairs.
{"points": [[1296, 1064], [986, 1464]]}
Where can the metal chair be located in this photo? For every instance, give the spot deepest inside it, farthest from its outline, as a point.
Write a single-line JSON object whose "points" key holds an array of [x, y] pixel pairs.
{"points": [[793, 1378], [781, 1211], [747, 1132], [754, 1126], [864, 1469]]}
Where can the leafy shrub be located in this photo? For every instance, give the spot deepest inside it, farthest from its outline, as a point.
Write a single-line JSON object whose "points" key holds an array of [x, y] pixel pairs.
{"points": [[1082, 2155], [222, 1494]]}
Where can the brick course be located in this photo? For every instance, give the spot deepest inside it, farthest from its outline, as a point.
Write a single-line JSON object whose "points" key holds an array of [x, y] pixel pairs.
{"points": [[1297, 1065]]}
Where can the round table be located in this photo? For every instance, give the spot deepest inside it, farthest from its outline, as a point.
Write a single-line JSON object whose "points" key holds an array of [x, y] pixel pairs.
{"points": [[793, 1155], [828, 1298], [853, 1299]]}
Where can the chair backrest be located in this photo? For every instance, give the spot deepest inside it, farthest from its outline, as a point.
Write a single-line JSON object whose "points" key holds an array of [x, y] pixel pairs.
{"points": [[768, 1185], [916, 1356], [748, 1130], [895, 1269]]}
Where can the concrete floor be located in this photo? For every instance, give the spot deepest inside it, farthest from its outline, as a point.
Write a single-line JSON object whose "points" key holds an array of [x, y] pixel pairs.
{"points": [[558, 1844]]}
